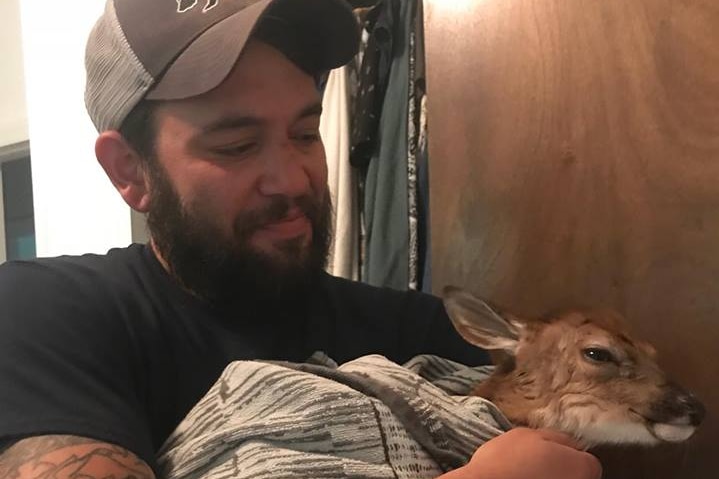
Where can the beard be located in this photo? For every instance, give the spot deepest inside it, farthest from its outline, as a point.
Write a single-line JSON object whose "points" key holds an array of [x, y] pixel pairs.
{"points": [[229, 272]]}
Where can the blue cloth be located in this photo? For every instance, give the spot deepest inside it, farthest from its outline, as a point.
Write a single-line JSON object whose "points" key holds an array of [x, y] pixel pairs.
{"points": [[385, 202]]}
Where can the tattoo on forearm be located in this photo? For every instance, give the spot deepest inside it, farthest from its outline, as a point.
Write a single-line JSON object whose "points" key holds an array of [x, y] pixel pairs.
{"points": [[70, 457]]}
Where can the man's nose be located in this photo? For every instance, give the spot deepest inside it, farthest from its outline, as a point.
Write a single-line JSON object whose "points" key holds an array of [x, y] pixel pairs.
{"points": [[284, 173]]}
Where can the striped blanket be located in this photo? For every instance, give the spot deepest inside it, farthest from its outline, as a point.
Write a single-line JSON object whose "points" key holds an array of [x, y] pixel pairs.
{"points": [[369, 418]]}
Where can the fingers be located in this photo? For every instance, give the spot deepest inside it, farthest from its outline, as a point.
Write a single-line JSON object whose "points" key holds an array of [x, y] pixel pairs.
{"points": [[589, 465], [560, 438], [545, 454], [594, 467]]}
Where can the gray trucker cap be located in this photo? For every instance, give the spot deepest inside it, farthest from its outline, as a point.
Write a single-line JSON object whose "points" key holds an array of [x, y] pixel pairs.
{"points": [[174, 49]]}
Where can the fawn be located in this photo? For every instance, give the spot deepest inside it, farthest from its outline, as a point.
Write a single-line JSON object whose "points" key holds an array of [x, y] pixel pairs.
{"points": [[579, 372]]}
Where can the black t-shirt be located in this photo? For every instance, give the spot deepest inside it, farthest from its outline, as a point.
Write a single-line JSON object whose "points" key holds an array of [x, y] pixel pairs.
{"points": [[109, 347]]}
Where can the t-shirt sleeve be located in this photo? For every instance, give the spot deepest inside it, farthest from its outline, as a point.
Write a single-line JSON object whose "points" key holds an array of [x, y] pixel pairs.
{"points": [[396, 324], [65, 366]]}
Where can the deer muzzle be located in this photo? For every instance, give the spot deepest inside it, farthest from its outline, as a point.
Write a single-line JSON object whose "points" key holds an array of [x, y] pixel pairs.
{"points": [[675, 416]]}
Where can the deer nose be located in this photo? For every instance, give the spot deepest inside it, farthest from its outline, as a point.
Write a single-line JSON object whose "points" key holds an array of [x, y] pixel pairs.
{"points": [[693, 407], [678, 403]]}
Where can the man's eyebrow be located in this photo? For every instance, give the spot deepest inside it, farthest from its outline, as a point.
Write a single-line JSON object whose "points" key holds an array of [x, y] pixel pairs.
{"points": [[231, 123], [315, 109], [236, 122]]}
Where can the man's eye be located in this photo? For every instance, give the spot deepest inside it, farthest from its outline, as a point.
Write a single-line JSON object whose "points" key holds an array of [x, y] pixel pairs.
{"points": [[236, 150], [308, 137]]}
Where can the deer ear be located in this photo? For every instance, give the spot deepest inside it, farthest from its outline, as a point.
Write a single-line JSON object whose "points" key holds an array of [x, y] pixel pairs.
{"points": [[480, 324]]}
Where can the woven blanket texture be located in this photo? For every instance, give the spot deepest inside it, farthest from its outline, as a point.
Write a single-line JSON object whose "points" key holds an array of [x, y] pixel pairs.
{"points": [[368, 418]]}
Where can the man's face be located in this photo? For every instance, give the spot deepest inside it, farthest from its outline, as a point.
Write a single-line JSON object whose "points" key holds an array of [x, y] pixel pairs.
{"points": [[239, 198]]}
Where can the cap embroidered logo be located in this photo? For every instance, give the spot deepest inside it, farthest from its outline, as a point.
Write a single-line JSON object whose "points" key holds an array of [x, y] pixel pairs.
{"points": [[187, 5]]}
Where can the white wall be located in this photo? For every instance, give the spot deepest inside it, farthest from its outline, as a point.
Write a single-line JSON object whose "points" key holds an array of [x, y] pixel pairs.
{"points": [[76, 208], [13, 118], [3, 245], [13, 114]]}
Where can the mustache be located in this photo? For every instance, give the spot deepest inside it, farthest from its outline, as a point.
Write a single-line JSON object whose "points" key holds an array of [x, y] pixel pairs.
{"points": [[278, 208]]}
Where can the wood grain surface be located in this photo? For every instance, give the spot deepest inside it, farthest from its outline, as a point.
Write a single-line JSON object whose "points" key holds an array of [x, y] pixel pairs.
{"points": [[574, 149]]}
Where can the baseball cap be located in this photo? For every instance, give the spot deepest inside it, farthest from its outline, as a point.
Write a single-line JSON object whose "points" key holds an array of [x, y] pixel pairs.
{"points": [[175, 49]]}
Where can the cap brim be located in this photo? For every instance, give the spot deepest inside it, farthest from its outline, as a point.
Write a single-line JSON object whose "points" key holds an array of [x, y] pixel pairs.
{"points": [[208, 60]]}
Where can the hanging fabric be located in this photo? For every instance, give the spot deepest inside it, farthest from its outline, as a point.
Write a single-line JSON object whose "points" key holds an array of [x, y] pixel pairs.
{"points": [[412, 136], [373, 74], [385, 194], [343, 260], [388, 145], [421, 156], [424, 244], [388, 127]]}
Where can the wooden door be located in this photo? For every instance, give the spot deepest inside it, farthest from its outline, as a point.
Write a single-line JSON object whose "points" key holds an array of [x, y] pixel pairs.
{"points": [[574, 148]]}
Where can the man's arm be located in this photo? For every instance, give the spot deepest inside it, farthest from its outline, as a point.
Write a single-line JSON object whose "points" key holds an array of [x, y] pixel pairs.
{"points": [[46, 457]]}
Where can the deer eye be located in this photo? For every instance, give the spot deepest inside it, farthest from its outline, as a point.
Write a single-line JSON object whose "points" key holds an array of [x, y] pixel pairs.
{"points": [[599, 355]]}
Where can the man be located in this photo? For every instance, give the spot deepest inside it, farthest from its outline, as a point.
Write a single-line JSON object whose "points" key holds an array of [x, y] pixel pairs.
{"points": [[208, 116]]}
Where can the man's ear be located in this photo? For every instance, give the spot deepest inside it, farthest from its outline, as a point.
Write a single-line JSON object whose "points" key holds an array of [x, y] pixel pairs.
{"points": [[124, 167]]}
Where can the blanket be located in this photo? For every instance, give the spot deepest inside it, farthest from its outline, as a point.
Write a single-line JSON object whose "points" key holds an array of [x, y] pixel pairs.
{"points": [[368, 418]]}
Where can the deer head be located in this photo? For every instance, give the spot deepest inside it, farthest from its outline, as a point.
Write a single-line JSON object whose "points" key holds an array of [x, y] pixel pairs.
{"points": [[579, 372]]}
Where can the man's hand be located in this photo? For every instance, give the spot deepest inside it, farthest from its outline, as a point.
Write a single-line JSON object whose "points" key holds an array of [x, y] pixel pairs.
{"points": [[528, 453], [70, 456]]}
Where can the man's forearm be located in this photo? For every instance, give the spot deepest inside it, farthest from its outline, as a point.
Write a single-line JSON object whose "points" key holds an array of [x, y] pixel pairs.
{"points": [[56, 456]]}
